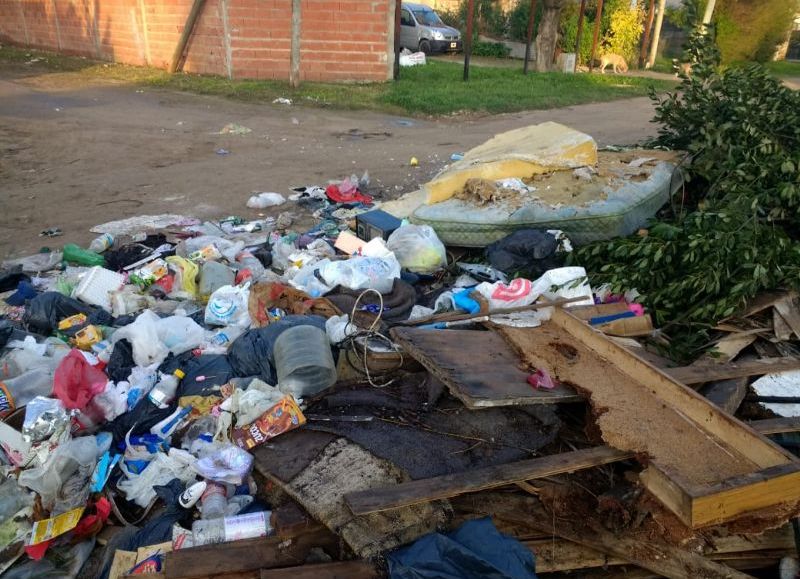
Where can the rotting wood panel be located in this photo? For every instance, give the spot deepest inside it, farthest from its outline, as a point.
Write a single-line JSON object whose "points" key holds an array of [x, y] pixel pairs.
{"points": [[478, 367], [450, 485], [641, 409]]}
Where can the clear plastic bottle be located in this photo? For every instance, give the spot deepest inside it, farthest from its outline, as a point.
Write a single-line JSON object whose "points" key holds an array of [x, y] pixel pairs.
{"points": [[213, 276], [225, 336], [214, 501], [164, 392], [100, 244], [224, 530], [303, 361], [27, 386]]}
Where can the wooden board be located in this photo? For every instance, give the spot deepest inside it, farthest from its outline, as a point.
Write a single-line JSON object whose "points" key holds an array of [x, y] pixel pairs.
{"points": [[641, 409], [337, 570], [446, 486], [246, 555], [777, 425], [727, 394], [478, 367], [700, 374]]}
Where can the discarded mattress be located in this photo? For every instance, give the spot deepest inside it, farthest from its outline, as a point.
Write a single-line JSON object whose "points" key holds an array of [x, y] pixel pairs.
{"points": [[588, 204]]}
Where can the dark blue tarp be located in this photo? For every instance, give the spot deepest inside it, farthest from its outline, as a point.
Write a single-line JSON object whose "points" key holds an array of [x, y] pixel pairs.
{"points": [[477, 550]]}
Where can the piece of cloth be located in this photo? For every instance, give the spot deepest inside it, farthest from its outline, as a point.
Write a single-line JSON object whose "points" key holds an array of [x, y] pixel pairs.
{"points": [[532, 251], [477, 550], [397, 303], [266, 296]]}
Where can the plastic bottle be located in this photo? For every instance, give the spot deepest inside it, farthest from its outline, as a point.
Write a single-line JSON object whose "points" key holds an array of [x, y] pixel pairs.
{"points": [[223, 530], [76, 254], [100, 244], [163, 393], [27, 386], [214, 501], [251, 262], [303, 361], [225, 336], [213, 276]]}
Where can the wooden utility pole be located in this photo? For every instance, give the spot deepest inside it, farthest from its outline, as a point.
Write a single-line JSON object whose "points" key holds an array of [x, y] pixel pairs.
{"points": [[656, 33], [191, 20], [398, 5], [597, 18], [648, 25], [468, 39], [531, 19], [294, 57], [579, 35]]}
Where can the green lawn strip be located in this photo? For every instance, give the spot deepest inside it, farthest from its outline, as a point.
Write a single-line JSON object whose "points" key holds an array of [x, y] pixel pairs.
{"points": [[434, 89]]}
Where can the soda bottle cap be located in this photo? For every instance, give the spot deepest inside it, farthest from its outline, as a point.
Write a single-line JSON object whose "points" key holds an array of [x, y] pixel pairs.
{"points": [[180, 374]]}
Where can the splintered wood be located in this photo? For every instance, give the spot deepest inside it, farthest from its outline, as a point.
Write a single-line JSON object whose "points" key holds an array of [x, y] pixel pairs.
{"points": [[705, 465]]}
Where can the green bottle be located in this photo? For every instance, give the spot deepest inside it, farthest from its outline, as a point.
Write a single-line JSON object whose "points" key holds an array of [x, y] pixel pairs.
{"points": [[76, 254]]}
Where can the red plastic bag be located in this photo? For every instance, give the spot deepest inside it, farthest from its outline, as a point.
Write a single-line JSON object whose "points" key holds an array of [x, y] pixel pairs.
{"points": [[76, 381]]}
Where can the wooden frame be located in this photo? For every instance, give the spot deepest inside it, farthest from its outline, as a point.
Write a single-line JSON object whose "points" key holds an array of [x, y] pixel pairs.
{"points": [[768, 475]]}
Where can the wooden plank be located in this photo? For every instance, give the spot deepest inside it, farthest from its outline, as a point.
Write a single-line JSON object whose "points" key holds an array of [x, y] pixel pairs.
{"points": [[446, 486], [727, 394], [788, 311], [338, 570], [745, 493], [644, 410], [777, 425], [699, 374], [246, 555], [478, 367]]}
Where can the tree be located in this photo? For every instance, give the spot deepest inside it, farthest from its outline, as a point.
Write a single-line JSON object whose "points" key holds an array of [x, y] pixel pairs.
{"points": [[547, 38]]}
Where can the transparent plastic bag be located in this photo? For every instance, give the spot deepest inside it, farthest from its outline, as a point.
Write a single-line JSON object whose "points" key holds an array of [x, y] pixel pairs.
{"points": [[143, 334], [359, 273], [180, 334], [229, 464], [417, 248]]}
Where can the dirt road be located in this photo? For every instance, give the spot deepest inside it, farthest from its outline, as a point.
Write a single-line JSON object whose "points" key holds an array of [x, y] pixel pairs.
{"points": [[72, 156]]}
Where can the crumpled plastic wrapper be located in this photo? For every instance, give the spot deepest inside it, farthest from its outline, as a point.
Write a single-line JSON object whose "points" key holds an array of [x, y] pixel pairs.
{"points": [[44, 417]]}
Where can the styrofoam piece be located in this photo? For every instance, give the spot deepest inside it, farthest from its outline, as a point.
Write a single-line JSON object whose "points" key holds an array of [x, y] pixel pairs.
{"points": [[783, 384], [96, 286]]}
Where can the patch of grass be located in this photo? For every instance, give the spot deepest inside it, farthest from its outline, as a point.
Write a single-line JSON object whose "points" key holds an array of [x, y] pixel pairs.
{"points": [[662, 64], [434, 89], [784, 67], [438, 89]]}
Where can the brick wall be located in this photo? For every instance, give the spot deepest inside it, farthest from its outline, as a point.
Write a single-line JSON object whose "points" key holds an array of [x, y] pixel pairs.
{"points": [[340, 40]]}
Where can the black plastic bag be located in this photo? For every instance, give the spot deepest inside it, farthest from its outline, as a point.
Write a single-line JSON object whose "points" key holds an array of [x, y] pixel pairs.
{"points": [[121, 362], [251, 353], [6, 329], [532, 251], [204, 375], [43, 312], [477, 550], [10, 278]]}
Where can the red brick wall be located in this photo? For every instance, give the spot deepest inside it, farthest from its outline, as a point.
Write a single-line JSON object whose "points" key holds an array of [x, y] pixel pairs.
{"points": [[341, 40]]}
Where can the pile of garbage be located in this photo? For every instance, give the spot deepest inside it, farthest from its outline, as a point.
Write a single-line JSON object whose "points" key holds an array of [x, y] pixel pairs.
{"points": [[209, 383]]}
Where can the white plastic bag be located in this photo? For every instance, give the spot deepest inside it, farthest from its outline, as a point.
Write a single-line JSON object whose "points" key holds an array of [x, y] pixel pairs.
{"points": [[359, 273], [565, 283], [143, 334], [180, 334], [229, 464], [162, 469], [413, 59], [227, 306], [264, 200], [518, 292], [417, 248]]}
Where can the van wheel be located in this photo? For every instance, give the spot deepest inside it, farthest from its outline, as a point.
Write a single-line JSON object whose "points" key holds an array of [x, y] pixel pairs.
{"points": [[425, 46]]}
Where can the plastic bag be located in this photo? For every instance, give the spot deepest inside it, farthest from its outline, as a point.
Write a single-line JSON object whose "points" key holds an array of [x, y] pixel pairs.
{"points": [[113, 401], [186, 272], [43, 312], [180, 334], [359, 273], [530, 250], [43, 418], [229, 464], [76, 381], [228, 307], [48, 479], [565, 283], [417, 248], [139, 488], [249, 404], [518, 292], [264, 200], [143, 334]]}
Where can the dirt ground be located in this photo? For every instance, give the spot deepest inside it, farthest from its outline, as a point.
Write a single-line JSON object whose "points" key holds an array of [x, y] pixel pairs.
{"points": [[76, 155]]}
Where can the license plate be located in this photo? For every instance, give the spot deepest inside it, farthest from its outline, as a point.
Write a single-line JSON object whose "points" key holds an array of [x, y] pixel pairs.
{"points": [[453, 44]]}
